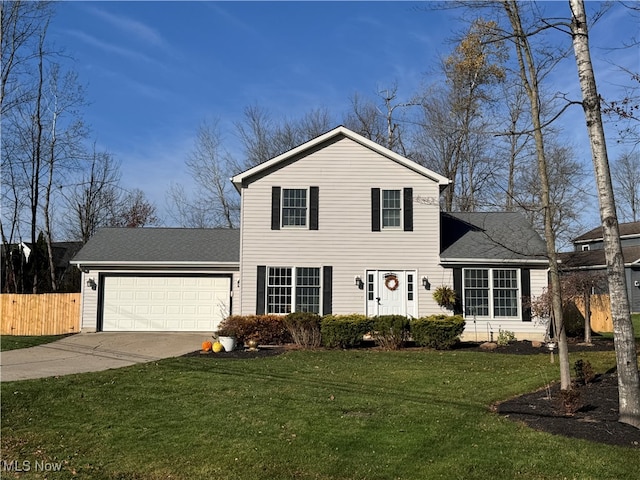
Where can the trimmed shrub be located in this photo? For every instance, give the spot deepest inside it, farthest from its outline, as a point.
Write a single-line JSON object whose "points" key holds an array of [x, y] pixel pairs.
{"points": [[344, 331], [437, 331], [265, 329], [390, 331], [304, 328]]}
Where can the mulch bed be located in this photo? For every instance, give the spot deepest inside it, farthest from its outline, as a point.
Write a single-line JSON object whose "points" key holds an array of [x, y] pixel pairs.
{"points": [[596, 420], [262, 352]]}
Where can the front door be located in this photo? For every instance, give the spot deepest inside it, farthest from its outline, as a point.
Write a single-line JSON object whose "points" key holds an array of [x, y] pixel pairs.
{"points": [[391, 292]]}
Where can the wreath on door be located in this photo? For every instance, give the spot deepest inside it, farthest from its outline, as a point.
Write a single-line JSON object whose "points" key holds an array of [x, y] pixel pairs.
{"points": [[391, 282]]}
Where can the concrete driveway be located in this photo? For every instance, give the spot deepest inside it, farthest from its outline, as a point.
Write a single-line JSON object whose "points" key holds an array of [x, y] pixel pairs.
{"points": [[92, 352]]}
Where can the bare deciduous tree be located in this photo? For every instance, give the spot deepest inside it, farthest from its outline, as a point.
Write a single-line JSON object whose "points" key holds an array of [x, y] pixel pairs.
{"points": [[625, 173], [529, 76], [214, 202]]}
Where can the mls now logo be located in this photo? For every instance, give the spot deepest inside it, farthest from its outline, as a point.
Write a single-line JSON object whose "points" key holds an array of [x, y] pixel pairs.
{"points": [[27, 466]]}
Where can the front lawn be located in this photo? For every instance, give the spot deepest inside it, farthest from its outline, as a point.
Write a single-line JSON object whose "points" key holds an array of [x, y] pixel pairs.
{"points": [[360, 414], [14, 342]]}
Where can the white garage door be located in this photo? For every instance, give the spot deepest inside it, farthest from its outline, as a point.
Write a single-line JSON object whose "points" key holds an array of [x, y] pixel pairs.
{"points": [[187, 304]]}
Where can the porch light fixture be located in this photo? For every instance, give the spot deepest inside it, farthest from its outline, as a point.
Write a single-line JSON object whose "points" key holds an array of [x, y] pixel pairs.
{"points": [[425, 283], [358, 281], [91, 283]]}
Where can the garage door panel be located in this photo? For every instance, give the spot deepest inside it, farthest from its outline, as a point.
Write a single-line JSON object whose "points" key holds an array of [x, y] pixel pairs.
{"points": [[164, 303]]}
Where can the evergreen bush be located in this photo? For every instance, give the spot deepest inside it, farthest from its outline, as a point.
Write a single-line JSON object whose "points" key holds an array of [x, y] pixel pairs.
{"points": [[390, 331], [437, 331], [345, 331]]}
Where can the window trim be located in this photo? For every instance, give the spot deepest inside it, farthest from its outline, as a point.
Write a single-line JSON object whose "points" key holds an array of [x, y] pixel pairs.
{"points": [[491, 289]]}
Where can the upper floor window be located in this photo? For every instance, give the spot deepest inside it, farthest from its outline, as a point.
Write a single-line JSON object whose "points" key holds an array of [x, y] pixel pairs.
{"points": [[391, 208], [585, 248], [294, 207]]}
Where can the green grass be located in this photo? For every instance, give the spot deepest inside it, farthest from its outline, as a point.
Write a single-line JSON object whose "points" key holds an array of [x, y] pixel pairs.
{"points": [[360, 414], [635, 319], [14, 342]]}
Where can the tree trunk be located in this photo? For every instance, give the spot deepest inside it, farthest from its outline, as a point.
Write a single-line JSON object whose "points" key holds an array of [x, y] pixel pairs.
{"points": [[623, 335], [587, 317], [529, 77]]}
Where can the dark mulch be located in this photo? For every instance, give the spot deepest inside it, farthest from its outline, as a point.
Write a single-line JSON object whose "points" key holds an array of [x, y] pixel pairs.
{"points": [[596, 406], [262, 352], [598, 344], [596, 419]]}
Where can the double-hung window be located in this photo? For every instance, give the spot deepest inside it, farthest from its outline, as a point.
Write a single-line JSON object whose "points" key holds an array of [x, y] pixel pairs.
{"points": [[293, 289], [391, 208], [491, 292], [294, 207]]}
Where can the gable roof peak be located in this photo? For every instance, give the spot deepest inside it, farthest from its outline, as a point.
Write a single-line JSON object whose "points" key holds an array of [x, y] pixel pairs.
{"points": [[241, 178]]}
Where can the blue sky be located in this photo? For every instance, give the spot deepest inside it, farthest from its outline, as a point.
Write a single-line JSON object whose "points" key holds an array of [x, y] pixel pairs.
{"points": [[155, 70]]}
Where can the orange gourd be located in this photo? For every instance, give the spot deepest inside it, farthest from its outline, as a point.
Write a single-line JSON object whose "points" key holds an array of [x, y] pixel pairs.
{"points": [[206, 346]]}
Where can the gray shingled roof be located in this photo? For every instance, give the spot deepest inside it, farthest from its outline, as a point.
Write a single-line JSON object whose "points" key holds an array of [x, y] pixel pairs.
{"points": [[596, 258], [161, 245], [489, 236], [626, 229]]}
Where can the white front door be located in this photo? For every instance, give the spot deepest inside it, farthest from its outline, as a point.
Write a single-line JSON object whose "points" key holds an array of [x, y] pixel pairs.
{"points": [[391, 292]]}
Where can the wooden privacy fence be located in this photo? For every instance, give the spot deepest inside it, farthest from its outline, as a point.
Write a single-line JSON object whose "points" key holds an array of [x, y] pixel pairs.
{"points": [[43, 314], [600, 312]]}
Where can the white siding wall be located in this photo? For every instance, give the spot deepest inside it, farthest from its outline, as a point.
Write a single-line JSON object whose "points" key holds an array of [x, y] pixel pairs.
{"points": [[89, 298], [345, 172]]}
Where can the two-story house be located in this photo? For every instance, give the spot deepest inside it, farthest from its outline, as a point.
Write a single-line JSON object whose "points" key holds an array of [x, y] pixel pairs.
{"points": [[588, 255], [337, 225]]}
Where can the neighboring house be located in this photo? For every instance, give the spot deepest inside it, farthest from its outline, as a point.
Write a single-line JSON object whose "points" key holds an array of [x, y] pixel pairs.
{"points": [[341, 225], [588, 255]]}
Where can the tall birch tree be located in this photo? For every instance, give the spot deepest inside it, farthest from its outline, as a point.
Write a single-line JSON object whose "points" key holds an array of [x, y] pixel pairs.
{"points": [[623, 335]]}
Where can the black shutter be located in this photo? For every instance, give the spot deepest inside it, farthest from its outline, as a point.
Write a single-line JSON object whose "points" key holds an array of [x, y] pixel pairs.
{"points": [[457, 286], [408, 209], [275, 208], [525, 277], [260, 290], [375, 209], [313, 210], [327, 289]]}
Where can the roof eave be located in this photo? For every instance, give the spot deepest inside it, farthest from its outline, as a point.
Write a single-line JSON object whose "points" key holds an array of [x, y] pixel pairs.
{"points": [[506, 261], [137, 263]]}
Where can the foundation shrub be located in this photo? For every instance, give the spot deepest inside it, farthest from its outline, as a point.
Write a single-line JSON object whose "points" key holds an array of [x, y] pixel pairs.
{"points": [[390, 331], [441, 332], [265, 329], [344, 331], [304, 328]]}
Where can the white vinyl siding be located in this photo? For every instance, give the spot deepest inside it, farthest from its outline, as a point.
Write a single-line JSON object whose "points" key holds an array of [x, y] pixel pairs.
{"points": [[345, 172]]}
